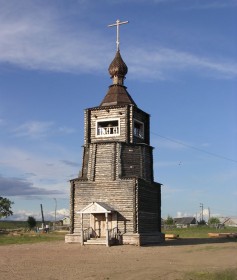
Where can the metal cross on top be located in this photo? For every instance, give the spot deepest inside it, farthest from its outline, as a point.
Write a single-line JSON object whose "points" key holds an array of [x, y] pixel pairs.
{"points": [[118, 22]]}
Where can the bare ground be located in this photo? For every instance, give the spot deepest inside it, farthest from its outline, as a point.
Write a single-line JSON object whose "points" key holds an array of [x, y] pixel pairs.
{"points": [[57, 260]]}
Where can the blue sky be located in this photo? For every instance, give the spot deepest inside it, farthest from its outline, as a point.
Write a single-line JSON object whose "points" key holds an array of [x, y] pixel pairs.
{"points": [[182, 70]]}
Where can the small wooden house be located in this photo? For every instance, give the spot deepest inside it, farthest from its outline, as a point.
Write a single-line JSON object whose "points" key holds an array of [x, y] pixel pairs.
{"points": [[115, 198], [184, 221]]}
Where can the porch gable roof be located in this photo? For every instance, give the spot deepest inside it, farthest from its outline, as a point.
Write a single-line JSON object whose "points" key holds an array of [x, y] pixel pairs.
{"points": [[96, 207]]}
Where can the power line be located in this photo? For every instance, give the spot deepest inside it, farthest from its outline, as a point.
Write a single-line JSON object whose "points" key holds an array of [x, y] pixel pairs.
{"points": [[194, 148]]}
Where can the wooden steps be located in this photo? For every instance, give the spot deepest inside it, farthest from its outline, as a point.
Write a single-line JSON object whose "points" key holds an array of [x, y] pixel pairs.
{"points": [[95, 241]]}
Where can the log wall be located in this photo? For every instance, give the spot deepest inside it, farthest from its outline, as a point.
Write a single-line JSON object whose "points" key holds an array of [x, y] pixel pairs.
{"points": [[110, 161], [137, 160], [118, 194], [137, 203], [149, 207]]}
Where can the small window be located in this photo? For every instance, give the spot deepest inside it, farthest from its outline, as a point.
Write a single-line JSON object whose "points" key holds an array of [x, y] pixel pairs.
{"points": [[107, 128], [138, 129]]}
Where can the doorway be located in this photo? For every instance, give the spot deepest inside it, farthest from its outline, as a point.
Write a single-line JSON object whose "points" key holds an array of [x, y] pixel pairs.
{"points": [[100, 224]]}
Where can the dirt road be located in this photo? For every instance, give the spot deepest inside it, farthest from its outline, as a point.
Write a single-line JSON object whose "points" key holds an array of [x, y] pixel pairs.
{"points": [[57, 260]]}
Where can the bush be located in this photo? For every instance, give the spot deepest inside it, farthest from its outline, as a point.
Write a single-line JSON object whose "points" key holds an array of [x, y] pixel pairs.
{"points": [[31, 222]]}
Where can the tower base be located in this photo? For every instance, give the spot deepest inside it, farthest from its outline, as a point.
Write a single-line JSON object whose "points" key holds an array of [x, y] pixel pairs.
{"points": [[127, 239], [73, 238], [140, 239]]}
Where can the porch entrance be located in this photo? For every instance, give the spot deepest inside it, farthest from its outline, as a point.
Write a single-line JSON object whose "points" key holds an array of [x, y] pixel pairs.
{"points": [[103, 222], [100, 224]]}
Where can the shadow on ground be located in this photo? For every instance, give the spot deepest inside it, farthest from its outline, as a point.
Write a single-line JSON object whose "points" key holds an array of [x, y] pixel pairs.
{"points": [[197, 241]]}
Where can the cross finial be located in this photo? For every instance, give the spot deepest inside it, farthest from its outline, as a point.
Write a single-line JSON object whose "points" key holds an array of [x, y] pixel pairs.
{"points": [[118, 22]]}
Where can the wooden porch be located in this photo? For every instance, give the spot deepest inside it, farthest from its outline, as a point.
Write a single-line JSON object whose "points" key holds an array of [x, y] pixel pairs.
{"points": [[103, 228]]}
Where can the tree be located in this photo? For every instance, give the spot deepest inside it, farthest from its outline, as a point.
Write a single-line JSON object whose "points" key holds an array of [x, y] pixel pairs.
{"points": [[169, 220], [31, 222], [202, 223], [5, 207], [213, 221]]}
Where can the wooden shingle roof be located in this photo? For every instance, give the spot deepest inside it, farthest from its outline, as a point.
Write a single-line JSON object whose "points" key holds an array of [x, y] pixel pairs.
{"points": [[117, 95]]}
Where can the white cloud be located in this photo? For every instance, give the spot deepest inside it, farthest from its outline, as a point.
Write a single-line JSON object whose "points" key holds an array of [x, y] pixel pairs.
{"points": [[205, 212], [157, 63], [70, 163], [187, 4], [66, 130], [22, 215], [50, 172], [197, 215], [10, 186], [37, 37], [183, 214], [196, 5], [211, 4], [60, 213], [169, 190], [34, 129], [41, 129]]}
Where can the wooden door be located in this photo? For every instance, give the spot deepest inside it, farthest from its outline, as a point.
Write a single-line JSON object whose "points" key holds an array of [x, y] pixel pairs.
{"points": [[100, 225]]}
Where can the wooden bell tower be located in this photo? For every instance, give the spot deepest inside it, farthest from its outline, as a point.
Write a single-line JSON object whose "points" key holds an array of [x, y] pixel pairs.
{"points": [[115, 198]]}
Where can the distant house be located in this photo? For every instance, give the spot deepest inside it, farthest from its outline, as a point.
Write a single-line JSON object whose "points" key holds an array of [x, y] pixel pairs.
{"points": [[184, 221], [66, 221]]}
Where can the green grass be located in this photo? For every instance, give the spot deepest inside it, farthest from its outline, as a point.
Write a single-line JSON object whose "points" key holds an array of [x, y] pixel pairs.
{"points": [[197, 232], [15, 225], [17, 232], [27, 238], [191, 232], [230, 274]]}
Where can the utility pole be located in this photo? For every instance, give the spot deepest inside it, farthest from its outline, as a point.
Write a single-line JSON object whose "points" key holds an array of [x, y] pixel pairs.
{"points": [[42, 214], [209, 213], [201, 206], [55, 213]]}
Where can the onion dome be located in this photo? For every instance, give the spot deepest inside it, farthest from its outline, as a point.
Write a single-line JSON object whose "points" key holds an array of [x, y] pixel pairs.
{"points": [[118, 69], [117, 94]]}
